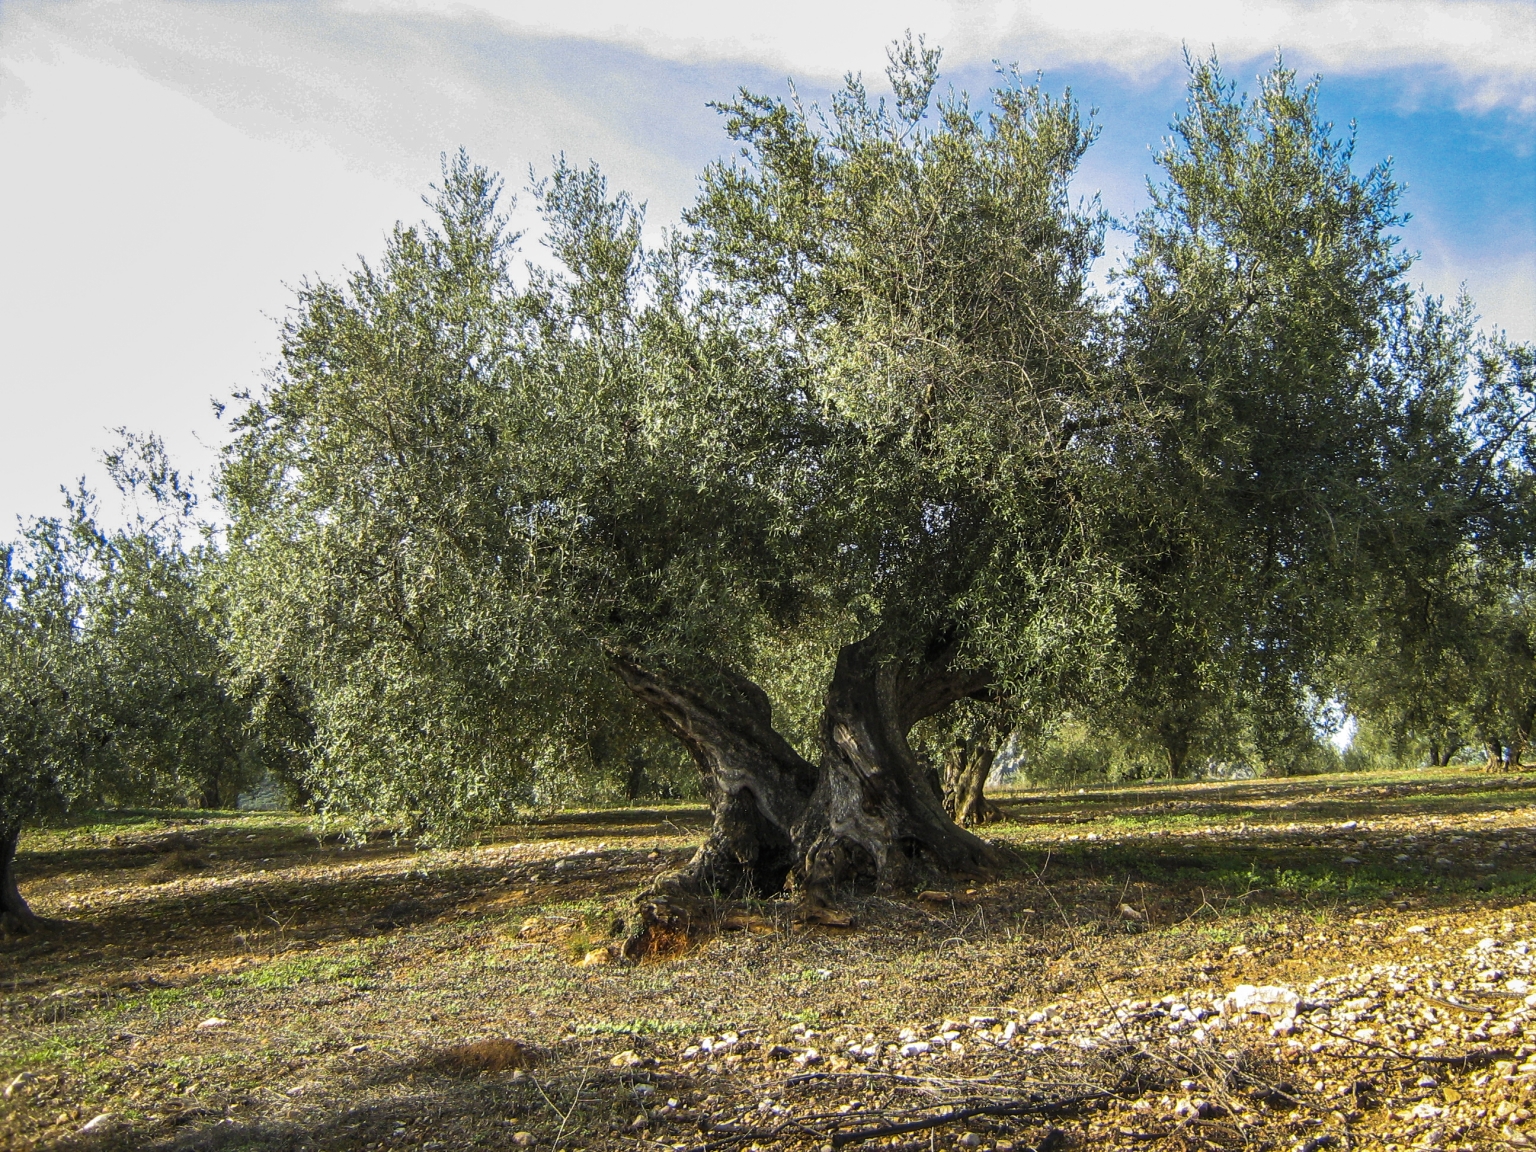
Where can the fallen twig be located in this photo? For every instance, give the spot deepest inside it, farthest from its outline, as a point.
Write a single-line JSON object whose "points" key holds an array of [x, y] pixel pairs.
{"points": [[1464, 1060], [828, 1132]]}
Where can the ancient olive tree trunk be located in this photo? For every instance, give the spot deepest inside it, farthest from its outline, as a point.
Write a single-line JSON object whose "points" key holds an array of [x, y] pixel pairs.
{"points": [[965, 781], [1522, 740], [756, 784], [15, 915], [635, 779], [1495, 750], [870, 809], [1175, 738], [876, 811]]}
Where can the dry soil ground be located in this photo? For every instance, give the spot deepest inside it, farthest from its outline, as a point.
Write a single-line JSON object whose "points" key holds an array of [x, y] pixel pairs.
{"points": [[226, 981]]}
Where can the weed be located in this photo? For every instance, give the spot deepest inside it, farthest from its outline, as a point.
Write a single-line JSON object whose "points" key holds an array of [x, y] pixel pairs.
{"points": [[290, 973]]}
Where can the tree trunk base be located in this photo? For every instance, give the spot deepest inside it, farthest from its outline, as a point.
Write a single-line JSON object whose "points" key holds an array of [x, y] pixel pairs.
{"points": [[19, 924], [16, 916], [876, 812], [670, 923], [869, 811], [744, 855]]}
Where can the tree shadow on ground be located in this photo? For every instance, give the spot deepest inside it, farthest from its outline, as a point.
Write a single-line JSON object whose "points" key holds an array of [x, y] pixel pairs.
{"points": [[415, 1104]]}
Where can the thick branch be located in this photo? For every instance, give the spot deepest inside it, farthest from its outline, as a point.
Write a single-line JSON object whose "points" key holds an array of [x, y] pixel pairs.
{"points": [[928, 695], [756, 783], [936, 683]]}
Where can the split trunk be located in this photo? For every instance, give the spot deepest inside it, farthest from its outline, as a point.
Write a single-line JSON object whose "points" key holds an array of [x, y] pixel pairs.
{"points": [[1495, 750], [869, 810], [965, 781]]}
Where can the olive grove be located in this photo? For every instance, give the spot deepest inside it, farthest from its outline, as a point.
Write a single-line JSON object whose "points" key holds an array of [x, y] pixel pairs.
{"points": [[855, 475], [114, 683]]}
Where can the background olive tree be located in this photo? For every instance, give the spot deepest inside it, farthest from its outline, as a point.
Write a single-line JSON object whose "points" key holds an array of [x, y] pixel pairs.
{"points": [[114, 683]]}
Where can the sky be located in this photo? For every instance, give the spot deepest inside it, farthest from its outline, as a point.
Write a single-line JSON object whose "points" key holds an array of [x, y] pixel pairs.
{"points": [[170, 170]]}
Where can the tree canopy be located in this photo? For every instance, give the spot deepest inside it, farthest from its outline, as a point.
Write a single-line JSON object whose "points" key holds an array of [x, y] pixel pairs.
{"points": [[856, 474]]}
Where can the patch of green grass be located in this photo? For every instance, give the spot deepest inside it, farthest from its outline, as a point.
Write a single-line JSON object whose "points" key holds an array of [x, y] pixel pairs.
{"points": [[1513, 883], [52, 1051], [1327, 882], [1316, 882], [156, 1002], [291, 972], [1223, 933], [805, 976]]}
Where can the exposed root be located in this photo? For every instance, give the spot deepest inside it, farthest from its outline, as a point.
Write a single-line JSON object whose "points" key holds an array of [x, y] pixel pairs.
{"points": [[14, 925], [672, 918], [18, 919], [824, 915]]}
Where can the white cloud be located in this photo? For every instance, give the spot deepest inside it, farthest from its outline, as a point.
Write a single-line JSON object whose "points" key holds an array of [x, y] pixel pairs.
{"points": [[1506, 294], [170, 170], [384, 92], [1502, 283], [143, 262], [1490, 45], [169, 167]]}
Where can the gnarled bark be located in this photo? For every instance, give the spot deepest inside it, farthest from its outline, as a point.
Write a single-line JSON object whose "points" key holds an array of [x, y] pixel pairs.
{"points": [[876, 811], [965, 781], [870, 809], [757, 786], [1522, 736], [1495, 749], [15, 914], [1175, 738]]}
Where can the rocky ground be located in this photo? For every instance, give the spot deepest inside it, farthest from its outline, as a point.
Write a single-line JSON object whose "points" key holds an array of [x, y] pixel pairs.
{"points": [[1333, 962]]}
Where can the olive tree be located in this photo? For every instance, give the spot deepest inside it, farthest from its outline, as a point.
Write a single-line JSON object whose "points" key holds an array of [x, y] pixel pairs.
{"points": [[114, 687], [839, 440], [1444, 653], [49, 727], [928, 270], [1260, 300], [465, 504], [855, 450]]}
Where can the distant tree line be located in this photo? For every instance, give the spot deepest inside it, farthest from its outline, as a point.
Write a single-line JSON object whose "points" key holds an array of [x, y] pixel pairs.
{"points": [[812, 504]]}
